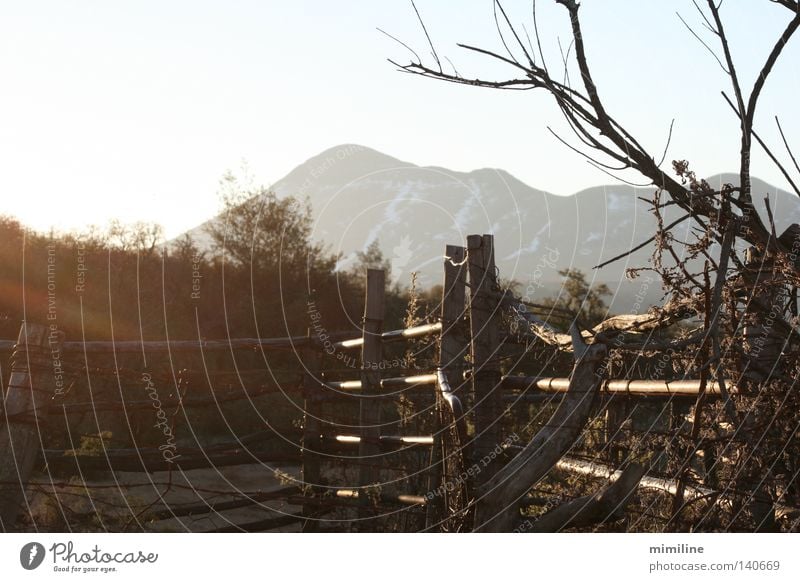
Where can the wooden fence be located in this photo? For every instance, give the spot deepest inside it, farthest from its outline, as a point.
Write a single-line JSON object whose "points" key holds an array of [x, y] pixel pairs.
{"points": [[473, 394]]}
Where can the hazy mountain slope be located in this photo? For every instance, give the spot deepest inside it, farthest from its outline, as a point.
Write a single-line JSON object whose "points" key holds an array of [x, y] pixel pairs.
{"points": [[359, 195]]}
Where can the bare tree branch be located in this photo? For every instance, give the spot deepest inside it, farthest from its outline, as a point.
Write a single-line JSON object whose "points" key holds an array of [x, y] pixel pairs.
{"points": [[786, 144], [767, 150], [702, 42], [497, 508], [425, 30], [514, 32], [608, 504], [790, 4]]}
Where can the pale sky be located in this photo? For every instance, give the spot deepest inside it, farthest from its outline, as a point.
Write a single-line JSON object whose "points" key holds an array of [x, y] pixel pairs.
{"points": [[134, 110]]}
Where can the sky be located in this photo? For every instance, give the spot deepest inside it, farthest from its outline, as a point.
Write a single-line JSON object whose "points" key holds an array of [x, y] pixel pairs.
{"points": [[135, 110]]}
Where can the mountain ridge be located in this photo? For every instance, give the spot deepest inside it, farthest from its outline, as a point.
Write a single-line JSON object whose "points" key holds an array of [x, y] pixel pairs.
{"points": [[358, 195]]}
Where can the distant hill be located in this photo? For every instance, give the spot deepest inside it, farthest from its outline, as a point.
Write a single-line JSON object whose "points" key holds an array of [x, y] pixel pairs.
{"points": [[359, 195]]}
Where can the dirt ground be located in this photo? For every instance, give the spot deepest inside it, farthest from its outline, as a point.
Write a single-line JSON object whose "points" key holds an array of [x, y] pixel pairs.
{"points": [[123, 501]]}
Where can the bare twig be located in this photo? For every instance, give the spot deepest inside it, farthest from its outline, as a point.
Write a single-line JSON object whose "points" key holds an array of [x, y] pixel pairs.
{"points": [[704, 43], [425, 30], [786, 144], [643, 244], [767, 150]]}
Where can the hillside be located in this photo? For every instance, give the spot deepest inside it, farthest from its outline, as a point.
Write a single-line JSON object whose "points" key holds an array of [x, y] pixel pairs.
{"points": [[359, 195]]}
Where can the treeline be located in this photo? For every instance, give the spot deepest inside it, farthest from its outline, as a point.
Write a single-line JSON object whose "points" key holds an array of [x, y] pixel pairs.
{"points": [[254, 275]]}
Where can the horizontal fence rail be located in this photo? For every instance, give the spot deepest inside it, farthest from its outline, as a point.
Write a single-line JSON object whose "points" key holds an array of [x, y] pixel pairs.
{"points": [[632, 387], [279, 343], [395, 335], [385, 383], [670, 486]]}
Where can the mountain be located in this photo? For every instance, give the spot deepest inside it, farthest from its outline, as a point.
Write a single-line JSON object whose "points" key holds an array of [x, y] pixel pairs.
{"points": [[359, 195]]}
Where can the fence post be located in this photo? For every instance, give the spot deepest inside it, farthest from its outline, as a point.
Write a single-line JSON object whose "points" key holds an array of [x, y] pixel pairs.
{"points": [[484, 315], [370, 406], [312, 412], [616, 407], [30, 388], [452, 349]]}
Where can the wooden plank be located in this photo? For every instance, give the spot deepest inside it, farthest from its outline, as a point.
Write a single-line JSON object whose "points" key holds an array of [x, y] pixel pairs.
{"points": [[453, 346], [394, 335], [267, 524], [400, 499], [616, 414], [670, 486], [385, 383], [388, 440], [108, 347], [484, 324], [370, 407], [655, 388], [606, 505], [497, 510], [169, 401], [206, 507], [452, 349], [151, 461], [277, 343], [312, 430], [34, 378]]}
